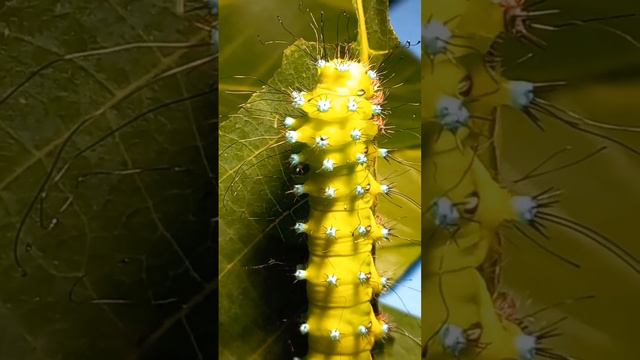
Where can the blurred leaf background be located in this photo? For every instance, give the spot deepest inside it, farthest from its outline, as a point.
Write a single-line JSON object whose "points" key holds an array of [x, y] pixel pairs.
{"points": [[118, 257], [260, 309]]}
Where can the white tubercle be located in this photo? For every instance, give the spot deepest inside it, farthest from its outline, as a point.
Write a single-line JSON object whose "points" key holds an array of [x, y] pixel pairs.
{"points": [[522, 93], [298, 190], [304, 329], [352, 105], [300, 274], [298, 98], [322, 142], [327, 165], [334, 335], [445, 213], [295, 159], [436, 37], [331, 232], [452, 113], [453, 339], [362, 330], [300, 227], [288, 122], [361, 159], [356, 134], [332, 280], [291, 136], [330, 192], [526, 346], [323, 105], [525, 207], [362, 277]]}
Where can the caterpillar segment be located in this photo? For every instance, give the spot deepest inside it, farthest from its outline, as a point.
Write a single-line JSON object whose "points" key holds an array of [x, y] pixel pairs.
{"points": [[335, 136], [462, 92]]}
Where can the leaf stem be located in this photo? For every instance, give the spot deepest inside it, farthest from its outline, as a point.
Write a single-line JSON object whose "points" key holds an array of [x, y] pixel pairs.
{"points": [[362, 32]]}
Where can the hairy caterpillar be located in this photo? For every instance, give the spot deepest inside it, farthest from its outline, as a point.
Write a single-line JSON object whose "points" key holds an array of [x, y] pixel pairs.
{"points": [[327, 105], [463, 87]]}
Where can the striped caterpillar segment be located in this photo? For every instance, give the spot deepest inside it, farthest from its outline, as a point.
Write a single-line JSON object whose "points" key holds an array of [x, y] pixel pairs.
{"points": [[336, 137]]}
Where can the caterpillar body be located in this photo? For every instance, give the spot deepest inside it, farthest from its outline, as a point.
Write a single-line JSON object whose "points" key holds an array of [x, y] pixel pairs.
{"points": [[463, 88], [341, 276]]}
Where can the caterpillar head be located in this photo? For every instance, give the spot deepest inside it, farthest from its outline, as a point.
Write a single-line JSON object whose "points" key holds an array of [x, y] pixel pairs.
{"points": [[347, 78]]}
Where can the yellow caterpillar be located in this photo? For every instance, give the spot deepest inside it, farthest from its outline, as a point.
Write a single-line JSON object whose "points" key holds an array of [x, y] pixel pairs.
{"points": [[341, 276], [333, 139]]}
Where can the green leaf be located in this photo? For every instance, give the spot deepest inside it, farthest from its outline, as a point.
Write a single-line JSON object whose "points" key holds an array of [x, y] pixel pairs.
{"points": [[117, 255], [255, 223], [260, 308]]}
